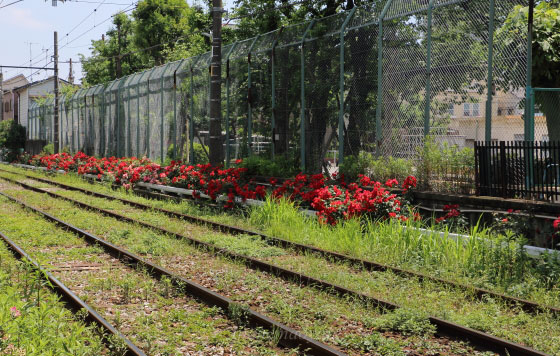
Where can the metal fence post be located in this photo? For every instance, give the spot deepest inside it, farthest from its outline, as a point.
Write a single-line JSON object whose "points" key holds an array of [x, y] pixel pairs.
{"points": [[129, 144], [162, 155], [175, 109], [302, 84], [138, 113], [228, 84], [119, 120], [341, 87], [191, 126], [378, 109], [490, 80], [249, 100], [147, 143], [531, 119], [72, 109], [528, 91], [273, 90], [86, 137], [429, 71]]}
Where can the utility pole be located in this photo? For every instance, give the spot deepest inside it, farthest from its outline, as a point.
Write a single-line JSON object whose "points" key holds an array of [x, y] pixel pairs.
{"points": [[56, 135], [216, 144], [1, 95]]}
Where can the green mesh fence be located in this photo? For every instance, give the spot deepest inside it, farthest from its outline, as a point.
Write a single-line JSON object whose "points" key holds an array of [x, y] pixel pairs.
{"points": [[375, 79]]}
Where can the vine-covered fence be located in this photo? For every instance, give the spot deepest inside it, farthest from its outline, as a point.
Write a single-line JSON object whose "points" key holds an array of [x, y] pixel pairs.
{"points": [[376, 78]]}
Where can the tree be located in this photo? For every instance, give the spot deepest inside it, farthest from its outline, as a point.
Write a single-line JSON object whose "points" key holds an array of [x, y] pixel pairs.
{"points": [[546, 56], [101, 66], [166, 22]]}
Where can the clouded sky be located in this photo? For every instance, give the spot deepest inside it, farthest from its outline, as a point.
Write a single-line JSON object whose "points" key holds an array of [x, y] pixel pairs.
{"points": [[31, 24]]}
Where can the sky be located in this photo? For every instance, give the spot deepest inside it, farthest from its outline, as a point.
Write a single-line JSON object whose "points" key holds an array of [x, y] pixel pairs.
{"points": [[30, 25]]}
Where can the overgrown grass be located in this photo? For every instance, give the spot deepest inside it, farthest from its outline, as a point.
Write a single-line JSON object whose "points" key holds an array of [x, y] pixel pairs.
{"points": [[317, 314], [33, 321], [483, 259]]}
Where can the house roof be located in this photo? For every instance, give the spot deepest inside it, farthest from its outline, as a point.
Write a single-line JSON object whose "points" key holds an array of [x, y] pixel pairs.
{"points": [[39, 82]]}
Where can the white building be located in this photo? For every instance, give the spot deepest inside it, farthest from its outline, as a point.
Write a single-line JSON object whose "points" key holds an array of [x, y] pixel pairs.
{"points": [[31, 91]]}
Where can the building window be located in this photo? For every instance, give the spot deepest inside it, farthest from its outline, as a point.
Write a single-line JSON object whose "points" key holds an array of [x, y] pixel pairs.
{"points": [[466, 109], [451, 109], [476, 109]]}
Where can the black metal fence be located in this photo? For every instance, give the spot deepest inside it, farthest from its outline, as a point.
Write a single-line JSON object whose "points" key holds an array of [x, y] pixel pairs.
{"points": [[519, 169]]}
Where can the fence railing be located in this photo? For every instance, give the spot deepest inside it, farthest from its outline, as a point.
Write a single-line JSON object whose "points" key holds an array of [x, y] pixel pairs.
{"points": [[376, 79], [525, 169]]}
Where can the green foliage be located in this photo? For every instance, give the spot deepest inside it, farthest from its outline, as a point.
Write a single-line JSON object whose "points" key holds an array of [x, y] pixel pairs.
{"points": [[352, 166], [407, 322], [200, 153], [12, 140], [12, 135], [381, 169], [48, 149], [32, 320], [439, 159], [171, 29], [546, 56], [373, 342], [168, 21], [280, 166]]}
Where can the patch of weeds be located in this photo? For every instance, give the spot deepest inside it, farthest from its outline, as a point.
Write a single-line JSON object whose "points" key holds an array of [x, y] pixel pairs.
{"points": [[117, 346], [406, 321], [239, 313], [374, 343]]}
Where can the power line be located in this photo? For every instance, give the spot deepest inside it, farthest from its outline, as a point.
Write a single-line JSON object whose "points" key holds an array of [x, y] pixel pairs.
{"points": [[95, 26], [15, 2]]}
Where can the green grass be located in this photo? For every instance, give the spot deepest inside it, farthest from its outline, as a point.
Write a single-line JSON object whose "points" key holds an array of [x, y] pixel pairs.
{"points": [[317, 314], [154, 315], [32, 319], [477, 262]]}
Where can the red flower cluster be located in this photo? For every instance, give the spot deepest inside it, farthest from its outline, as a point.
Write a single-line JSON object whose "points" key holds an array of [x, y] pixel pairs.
{"points": [[342, 201], [451, 211], [332, 202], [556, 224]]}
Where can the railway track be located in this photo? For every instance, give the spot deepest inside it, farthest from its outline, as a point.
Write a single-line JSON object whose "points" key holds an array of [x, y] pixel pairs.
{"points": [[72, 301], [122, 260], [526, 305], [443, 327]]}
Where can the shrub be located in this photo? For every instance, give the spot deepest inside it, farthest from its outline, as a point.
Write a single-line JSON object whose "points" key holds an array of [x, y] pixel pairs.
{"points": [[12, 139], [49, 149], [200, 153], [280, 166], [381, 169], [353, 166]]}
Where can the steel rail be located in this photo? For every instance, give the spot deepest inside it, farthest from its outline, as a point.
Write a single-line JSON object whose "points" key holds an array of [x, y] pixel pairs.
{"points": [[72, 300], [289, 337], [480, 293], [443, 327]]}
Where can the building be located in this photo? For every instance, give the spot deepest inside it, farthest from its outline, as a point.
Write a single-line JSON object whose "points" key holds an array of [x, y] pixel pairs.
{"points": [[467, 118], [10, 99], [32, 91]]}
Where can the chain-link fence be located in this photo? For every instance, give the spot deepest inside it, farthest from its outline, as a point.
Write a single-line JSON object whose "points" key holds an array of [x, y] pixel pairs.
{"points": [[376, 79]]}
